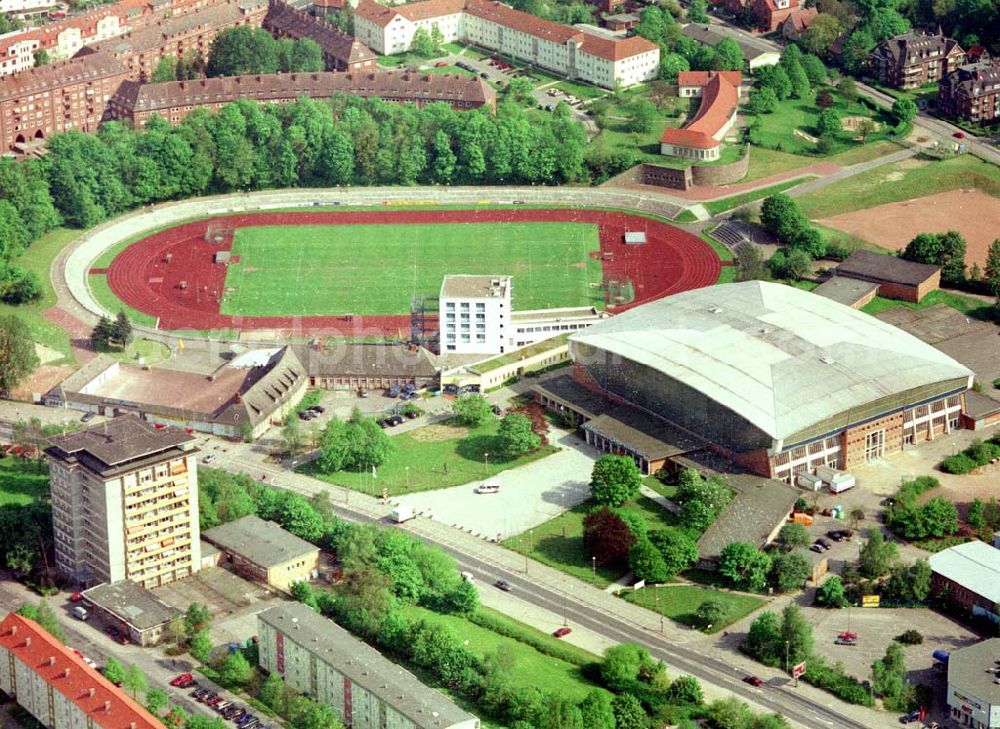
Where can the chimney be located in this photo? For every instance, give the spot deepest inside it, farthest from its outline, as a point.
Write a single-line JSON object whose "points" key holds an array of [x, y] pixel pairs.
{"points": [[107, 707], [27, 642], [66, 672], [51, 661], [13, 630], [91, 692]]}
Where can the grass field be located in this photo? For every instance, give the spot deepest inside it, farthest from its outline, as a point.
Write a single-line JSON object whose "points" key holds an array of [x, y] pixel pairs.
{"points": [[21, 482], [964, 304], [529, 668], [38, 258], [433, 457], [376, 269], [905, 180], [559, 541], [102, 292], [679, 602], [721, 205]]}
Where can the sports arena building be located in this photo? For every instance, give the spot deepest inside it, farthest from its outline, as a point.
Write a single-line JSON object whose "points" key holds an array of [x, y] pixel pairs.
{"points": [[775, 378]]}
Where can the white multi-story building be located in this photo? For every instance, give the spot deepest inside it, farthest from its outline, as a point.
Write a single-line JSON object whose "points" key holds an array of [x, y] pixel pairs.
{"points": [[57, 687], [323, 661], [569, 51], [125, 503], [474, 311]]}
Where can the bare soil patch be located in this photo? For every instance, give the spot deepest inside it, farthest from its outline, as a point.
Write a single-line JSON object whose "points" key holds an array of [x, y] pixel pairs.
{"points": [[432, 433], [973, 213]]}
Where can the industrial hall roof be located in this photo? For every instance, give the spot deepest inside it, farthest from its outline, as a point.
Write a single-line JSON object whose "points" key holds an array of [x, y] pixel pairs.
{"points": [[262, 542], [781, 358], [974, 565]]}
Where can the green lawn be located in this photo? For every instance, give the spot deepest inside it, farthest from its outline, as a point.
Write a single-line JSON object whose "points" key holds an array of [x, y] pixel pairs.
{"points": [[38, 258], [433, 457], [679, 602], [21, 482], [529, 668], [777, 129], [376, 269], [767, 162], [714, 207], [559, 541], [668, 491], [145, 351], [901, 181], [582, 91], [965, 304], [454, 70]]}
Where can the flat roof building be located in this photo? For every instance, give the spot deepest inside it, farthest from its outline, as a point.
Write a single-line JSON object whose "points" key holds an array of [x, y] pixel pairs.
{"points": [[474, 311], [132, 610], [125, 503], [970, 575], [342, 366], [973, 693], [774, 377], [56, 687], [896, 278], [264, 551], [323, 661]]}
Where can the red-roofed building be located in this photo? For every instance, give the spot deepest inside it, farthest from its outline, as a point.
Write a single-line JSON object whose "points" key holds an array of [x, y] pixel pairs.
{"points": [[771, 14], [565, 50], [795, 24], [702, 137], [56, 687]]}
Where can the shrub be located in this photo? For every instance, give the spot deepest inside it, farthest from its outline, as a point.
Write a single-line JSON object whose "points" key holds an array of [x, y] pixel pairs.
{"points": [[910, 637], [822, 675], [958, 464], [996, 383]]}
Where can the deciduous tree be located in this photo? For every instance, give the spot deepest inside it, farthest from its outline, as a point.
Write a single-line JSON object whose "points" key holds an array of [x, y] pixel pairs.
{"points": [[614, 480], [606, 537], [17, 352], [745, 565]]}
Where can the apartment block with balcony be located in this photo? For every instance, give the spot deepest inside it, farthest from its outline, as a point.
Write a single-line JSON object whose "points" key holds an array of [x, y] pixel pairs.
{"points": [[125, 503], [474, 312], [912, 60]]}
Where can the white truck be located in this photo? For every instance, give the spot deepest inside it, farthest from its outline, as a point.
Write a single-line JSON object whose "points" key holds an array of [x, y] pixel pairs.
{"points": [[839, 481], [401, 514]]}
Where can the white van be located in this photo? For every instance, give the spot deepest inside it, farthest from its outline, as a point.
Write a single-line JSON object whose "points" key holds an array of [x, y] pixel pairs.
{"points": [[79, 613], [468, 577], [488, 488]]}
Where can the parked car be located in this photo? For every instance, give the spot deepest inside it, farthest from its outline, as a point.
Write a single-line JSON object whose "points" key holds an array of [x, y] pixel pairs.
{"points": [[562, 632], [318, 409], [214, 700], [959, 135], [182, 680], [199, 693], [87, 417], [412, 414], [221, 706], [441, 64], [909, 718], [816, 548], [76, 597], [836, 535], [502, 585], [824, 544], [753, 681], [395, 419], [209, 458]]}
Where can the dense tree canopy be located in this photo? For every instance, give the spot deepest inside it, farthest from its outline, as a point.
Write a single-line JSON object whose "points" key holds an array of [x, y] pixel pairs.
{"points": [[17, 352], [942, 249], [614, 480]]}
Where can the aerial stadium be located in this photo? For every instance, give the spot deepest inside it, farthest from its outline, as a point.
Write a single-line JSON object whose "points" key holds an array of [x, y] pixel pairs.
{"points": [[776, 378]]}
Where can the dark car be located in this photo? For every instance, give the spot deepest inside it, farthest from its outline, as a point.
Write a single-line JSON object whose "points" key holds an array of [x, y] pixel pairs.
{"points": [[502, 585], [318, 409], [816, 548], [497, 410], [395, 419], [909, 718], [87, 417], [384, 424], [753, 681], [562, 632], [200, 693], [245, 719], [836, 535], [411, 414], [823, 543]]}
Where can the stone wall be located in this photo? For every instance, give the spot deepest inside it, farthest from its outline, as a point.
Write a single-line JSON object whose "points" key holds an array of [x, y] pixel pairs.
{"points": [[667, 177], [723, 174]]}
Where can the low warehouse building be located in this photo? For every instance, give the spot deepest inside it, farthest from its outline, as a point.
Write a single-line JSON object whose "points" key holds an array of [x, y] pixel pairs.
{"points": [[133, 611], [326, 663], [896, 278], [263, 551], [241, 399], [368, 366], [969, 574], [973, 694]]}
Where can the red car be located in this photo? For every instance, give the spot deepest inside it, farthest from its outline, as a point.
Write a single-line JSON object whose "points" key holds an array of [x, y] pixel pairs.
{"points": [[562, 632], [76, 597], [959, 135], [183, 681], [753, 681]]}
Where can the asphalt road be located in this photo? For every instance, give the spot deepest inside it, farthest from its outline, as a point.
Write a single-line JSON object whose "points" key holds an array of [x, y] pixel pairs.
{"points": [[777, 695]]}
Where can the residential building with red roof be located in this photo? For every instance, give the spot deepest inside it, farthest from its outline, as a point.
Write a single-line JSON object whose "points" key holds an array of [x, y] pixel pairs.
{"points": [[565, 50], [341, 52], [701, 138], [56, 687], [972, 93]]}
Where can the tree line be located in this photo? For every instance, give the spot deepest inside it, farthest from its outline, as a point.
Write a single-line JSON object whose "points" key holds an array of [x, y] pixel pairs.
{"points": [[87, 178]]}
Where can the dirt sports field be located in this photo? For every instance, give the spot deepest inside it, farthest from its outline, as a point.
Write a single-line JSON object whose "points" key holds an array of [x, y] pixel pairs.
{"points": [[172, 274], [973, 213]]}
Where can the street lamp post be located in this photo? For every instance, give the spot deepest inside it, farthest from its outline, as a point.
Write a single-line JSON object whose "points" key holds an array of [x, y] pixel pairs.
{"points": [[407, 477], [593, 564], [786, 656], [487, 456]]}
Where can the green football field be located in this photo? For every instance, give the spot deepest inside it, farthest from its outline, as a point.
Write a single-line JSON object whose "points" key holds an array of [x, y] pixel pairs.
{"points": [[318, 270]]}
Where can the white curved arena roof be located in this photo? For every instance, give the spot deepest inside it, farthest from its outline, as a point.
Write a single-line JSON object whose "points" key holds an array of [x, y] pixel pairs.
{"points": [[782, 358]]}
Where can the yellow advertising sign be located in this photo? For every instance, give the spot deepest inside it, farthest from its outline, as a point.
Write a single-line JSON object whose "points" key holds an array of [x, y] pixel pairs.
{"points": [[870, 601]]}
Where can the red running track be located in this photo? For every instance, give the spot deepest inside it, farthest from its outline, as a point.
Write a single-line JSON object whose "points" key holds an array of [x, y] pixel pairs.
{"points": [[671, 261]]}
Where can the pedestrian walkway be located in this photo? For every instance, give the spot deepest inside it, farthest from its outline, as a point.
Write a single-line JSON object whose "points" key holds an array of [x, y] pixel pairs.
{"points": [[845, 172], [660, 499]]}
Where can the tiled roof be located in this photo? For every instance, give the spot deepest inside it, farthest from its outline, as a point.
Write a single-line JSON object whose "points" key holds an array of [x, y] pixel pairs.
{"points": [[97, 698], [59, 75], [374, 12], [701, 78], [718, 102], [615, 49], [281, 86], [877, 267], [532, 25], [117, 441], [334, 42], [431, 9]]}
